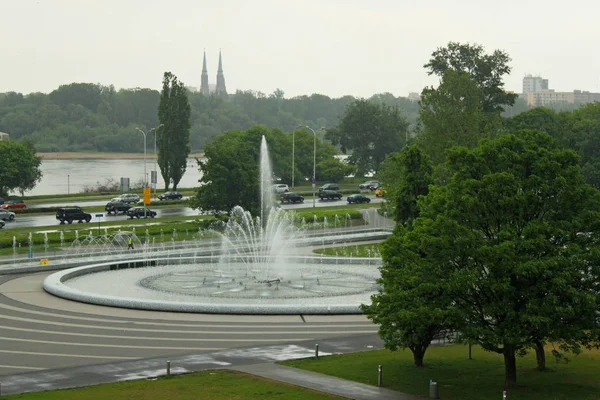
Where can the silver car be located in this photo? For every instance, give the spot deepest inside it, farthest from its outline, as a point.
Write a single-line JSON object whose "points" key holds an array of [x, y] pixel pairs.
{"points": [[7, 215], [128, 198]]}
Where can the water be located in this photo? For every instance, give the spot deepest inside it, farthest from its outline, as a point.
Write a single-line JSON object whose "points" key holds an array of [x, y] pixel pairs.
{"points": [[71, 176]]}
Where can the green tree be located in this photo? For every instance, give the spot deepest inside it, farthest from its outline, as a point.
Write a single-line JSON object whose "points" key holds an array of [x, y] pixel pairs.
{"points": [[406, 175], [514, 238], [410, 308], [451, 115], [173, 137], [19, 166], [230, 174], [487, 70], [369, 130]]}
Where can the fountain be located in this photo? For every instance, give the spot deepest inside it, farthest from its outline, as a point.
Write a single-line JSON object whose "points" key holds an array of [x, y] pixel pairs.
{"points": [[261, 267]]}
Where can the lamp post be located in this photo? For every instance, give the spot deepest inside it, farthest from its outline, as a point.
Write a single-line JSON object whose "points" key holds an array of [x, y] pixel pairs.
{"points": [[293, 153], [155, 158], [144, 133], [314, 177]]}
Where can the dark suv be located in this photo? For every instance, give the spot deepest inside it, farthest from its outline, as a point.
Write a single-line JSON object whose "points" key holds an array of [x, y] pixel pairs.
{"points": [[172, 195], [329, 186], [117, 207], [70, 214], [291, 197], [329, 194]]}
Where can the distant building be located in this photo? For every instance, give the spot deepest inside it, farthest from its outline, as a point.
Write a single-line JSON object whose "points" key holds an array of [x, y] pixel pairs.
{"points": [[4, 136], [534, 84], [205, 88], [536, 93]]}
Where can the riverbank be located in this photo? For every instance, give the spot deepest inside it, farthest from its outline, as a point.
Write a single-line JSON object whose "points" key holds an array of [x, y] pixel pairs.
{"points": [[102, 156]]}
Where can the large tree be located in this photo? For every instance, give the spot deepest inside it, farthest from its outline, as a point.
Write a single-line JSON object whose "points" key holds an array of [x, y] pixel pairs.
{"points": [[451, 115], [487, 70], [369, 130], [406, 175], [512, 245], [411, 308], [19, 166], [231, 170], [173, 140]]}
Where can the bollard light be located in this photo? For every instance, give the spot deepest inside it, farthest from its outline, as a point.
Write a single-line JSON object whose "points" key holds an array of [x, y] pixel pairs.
{"points": [[379, 376], [433, 390], [505, 395], [317, 351], [168, 369]]}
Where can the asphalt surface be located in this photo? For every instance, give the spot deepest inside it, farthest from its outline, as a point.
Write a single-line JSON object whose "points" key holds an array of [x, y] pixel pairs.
{"points": [[33, 221], [48, 342]]}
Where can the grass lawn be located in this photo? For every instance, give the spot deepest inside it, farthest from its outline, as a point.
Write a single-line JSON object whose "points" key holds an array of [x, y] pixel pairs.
{"points": [[462, 379], [357, 250], [213, 385]]}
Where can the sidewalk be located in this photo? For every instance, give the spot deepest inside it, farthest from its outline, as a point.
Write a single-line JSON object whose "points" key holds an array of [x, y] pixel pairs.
{"points": [[258, 361], [323, 383]]}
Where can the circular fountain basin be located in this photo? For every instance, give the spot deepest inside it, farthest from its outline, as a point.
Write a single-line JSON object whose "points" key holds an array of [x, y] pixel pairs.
{"points": [[310, 285]]}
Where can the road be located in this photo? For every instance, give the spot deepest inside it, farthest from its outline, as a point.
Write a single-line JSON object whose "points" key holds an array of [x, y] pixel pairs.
{"points": [[40, 332], [32, 221]]}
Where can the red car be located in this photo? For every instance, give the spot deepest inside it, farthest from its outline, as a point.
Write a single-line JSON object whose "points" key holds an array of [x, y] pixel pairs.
{"points": [[13, 204]]}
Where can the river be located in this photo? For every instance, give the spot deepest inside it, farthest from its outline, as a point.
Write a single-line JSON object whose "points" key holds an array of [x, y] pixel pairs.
{"points": [[73, 175]]}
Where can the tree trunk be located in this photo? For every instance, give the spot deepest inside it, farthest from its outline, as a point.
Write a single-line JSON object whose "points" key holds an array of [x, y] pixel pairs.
{"points": [[510, 367], [418, 355], [540, 355]]}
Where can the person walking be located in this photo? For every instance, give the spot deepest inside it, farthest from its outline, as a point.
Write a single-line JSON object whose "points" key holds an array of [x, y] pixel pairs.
{"points": [[130, 243]]}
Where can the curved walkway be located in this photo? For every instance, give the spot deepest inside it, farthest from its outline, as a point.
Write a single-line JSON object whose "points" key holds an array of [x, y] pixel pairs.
{"points": [[48, 343]]}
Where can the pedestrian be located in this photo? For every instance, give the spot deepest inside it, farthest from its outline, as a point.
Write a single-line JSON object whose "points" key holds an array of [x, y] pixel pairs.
{"points": [[130, 243]]}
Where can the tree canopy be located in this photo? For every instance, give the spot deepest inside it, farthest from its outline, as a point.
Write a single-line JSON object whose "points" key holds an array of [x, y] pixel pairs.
{"points": [[19, 166], [173, 135], [487, 70], [369, 131], [231, 170], [511, 246]]}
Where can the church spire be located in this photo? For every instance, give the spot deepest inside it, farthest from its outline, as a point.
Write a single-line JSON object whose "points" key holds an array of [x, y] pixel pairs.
{"points": [[204, 78], [220, 89]]}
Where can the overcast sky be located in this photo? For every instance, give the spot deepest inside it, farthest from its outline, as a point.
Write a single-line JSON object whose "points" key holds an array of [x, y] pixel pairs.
{"points": [[332, 47]]}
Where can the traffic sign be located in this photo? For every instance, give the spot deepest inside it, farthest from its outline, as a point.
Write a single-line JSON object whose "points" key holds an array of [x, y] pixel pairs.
{"points": [[99, 215]]}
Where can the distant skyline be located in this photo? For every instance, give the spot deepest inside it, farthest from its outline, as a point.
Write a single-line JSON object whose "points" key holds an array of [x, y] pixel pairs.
{"points": [[331, 47]]}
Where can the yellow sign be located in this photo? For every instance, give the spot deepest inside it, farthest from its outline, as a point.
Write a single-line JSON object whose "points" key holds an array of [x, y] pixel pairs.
{"points": [[146, 195], [43, 261]]}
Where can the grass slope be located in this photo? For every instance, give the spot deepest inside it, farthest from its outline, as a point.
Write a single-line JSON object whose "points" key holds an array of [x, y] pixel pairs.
{"points": [[462, 379]]}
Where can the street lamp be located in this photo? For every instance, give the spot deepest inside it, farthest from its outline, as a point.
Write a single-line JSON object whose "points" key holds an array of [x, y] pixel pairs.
{"points": [[314, 178], [144, 133], [155, 158], [293, 151], [145, 174]]}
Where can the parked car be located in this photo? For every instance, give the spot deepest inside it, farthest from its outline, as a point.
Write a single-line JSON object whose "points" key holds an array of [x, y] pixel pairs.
{"points": [[7, 215], [129, 198], [116, 207], [70, 214], [172, 195], [140, 212], [329, 194], [280, 188], [358, 198], [329, 186], [380, 192], [2, 223], [371, 185], [291, 197], [13, 204]]}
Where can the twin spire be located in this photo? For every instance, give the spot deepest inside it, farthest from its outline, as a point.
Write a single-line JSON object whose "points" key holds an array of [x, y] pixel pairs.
{"points": [[219, 89]]}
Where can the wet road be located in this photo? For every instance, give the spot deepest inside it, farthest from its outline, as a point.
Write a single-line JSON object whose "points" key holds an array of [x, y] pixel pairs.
{"points": [[31, 221]]}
